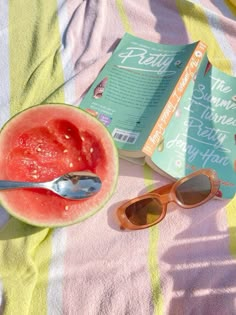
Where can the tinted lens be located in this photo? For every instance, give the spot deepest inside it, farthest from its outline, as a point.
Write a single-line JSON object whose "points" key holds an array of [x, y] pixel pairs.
{"points": [[194, 190], [145, 211]]}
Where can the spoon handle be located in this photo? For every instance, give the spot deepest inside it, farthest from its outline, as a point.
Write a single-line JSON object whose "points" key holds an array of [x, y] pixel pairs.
{"points": [[7, 184]]}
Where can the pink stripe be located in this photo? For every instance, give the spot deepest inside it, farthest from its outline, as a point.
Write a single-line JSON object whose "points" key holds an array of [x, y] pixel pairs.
{"points": [[193, 279], [159, 19], [89, 27], [102, 273]]}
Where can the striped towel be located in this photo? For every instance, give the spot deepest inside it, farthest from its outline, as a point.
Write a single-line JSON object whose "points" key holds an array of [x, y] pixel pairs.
{"points": [[51, 51]]}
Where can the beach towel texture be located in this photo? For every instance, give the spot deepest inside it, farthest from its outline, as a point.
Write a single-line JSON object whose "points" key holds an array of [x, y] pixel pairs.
{"points": [[51, 51]]}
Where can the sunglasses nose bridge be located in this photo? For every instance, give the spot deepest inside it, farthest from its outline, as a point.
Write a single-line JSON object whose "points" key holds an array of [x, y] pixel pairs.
{"points": [[166, 198]]}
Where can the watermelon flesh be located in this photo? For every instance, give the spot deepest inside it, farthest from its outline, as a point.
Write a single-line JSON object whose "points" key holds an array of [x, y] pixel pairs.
{"points": [[44, 142]]}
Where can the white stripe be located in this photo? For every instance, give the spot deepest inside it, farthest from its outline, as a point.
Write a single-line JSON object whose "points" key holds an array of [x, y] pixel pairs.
{"points": [[196, 240], [207, 292], [4, 64], [215, 291], [199, 265], [56, 273], [1, 298], [216, 28], [66, 52]]}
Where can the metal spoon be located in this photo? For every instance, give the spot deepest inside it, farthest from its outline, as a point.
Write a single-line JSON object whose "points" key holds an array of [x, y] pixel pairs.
{"points": [[74, 185]]}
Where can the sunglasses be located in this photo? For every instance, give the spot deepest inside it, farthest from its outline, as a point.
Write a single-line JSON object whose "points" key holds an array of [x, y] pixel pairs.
{"points": [[188, 192]]}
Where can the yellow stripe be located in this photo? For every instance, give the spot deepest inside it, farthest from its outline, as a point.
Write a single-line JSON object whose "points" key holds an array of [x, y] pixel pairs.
{"points": [[152, 253], [231, 218], [36, 74], [198, 28], [19, 270], [42, 258], [123, 16], [231, 5]]}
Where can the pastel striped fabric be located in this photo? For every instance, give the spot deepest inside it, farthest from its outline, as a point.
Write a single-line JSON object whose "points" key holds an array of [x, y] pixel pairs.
{"points": [[51, 51]]}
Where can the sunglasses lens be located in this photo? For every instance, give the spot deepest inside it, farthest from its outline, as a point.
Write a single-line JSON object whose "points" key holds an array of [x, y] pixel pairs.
{"points": [[145, 211], [194, 190]]}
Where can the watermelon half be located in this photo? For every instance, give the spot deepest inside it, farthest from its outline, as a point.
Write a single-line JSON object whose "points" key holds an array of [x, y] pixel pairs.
{"points": [[46, 141]]}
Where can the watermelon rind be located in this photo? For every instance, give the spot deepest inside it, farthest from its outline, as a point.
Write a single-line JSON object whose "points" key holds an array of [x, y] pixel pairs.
{"points": [[88, 214]]}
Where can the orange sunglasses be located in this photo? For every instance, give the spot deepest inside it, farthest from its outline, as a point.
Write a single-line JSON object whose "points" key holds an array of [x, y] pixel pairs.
{"points": [[188, 192]]}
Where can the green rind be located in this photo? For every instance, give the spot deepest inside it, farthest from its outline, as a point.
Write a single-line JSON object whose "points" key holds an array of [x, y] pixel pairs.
{"points": [[90, 213]]}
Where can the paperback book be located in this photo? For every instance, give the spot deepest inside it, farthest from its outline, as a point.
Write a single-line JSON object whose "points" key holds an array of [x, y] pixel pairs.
{"points": [[169, 107]]}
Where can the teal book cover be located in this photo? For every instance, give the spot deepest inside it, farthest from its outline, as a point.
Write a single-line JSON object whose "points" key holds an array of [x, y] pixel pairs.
{"points": [[132, 89], [202, 131]]}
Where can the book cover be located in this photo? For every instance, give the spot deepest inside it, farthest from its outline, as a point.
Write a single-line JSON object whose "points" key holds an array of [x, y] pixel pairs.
{"points": [[133, 87], [202, 131]]}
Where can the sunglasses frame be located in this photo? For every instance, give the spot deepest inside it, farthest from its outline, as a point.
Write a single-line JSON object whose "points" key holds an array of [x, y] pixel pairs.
{"points": [[165, 195]]}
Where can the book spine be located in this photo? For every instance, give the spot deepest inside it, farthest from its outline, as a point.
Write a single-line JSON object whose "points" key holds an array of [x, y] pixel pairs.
{"points": [[156, 134]]}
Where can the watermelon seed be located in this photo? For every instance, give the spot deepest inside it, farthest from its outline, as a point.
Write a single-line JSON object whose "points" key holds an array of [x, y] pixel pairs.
{"points": [[71, 164], [65, 151], [82, 138], [67, 137], [91, 150], [34, 171], [38, 149], [66, 208], [35, 176]]}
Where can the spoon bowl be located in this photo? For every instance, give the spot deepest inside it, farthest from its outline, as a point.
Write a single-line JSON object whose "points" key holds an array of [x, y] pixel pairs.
{"points": [[73, 185]]}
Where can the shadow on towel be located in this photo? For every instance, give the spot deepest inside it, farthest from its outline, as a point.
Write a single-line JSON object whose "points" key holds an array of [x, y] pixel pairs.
{"points": [[16, 229]]}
